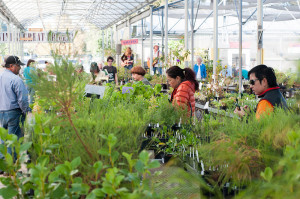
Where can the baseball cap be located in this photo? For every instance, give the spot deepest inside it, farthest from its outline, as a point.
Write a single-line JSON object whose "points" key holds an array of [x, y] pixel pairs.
{"points": [[13, 60]]}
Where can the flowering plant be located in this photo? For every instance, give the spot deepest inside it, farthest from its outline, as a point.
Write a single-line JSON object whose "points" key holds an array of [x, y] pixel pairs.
{"points": [[178, 54]]}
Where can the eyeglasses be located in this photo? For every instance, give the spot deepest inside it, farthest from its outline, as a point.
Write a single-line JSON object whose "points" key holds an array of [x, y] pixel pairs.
{"points": [[252, 81]]}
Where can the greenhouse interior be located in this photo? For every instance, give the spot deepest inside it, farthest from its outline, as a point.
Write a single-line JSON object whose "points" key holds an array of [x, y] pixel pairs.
{"points": [[158, 99]]}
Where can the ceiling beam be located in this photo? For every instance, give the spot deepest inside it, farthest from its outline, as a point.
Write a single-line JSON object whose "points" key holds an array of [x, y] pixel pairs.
{"points": [[8, 15], [142, 5]]}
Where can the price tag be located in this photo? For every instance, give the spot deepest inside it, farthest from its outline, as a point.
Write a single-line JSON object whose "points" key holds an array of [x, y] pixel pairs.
{"points": [[206, 105]]}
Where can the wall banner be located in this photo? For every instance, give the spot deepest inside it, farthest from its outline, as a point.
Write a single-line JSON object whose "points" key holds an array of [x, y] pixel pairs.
{"points": [[130, 42], [39, 37]]}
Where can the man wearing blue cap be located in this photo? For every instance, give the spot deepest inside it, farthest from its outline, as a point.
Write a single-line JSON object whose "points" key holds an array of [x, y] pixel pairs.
{"points": [[13, 98]]}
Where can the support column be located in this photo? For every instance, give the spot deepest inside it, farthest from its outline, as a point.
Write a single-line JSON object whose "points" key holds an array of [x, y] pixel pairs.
{"points": [[162, 31], [240, 48], [142, 35], [151, 38], [111, 37], [18, 42], [9, 37], [13, 40], [186, 29], [106, 42], [129, 29], [192, 33], [22, 50], [259, 57], [117, 42], [166, 33], [103, 45], [116, 37], [215, 7]]}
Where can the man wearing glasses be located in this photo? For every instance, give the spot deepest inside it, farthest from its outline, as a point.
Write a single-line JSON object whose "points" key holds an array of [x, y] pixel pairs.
{"points": [[112, 71], [263, 83], [13, 98]]}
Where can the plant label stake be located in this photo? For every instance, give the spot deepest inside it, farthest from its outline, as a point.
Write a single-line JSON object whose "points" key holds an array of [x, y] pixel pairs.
{"points": [[206, 105], [194, 123], [194, 166], [202, 167], [193, 153]]}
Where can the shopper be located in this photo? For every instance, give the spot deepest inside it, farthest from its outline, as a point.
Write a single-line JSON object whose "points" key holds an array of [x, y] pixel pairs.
{"points": [[200, 69], [245, 74], [102, 75], [28, 72], [100, 65], [47, 65], [138, 74], [13, 97], [2, 67], [80, 69], [101, 70], [156, 63], [94, 69], [263, 83], [112, 71], [127, 59], [184, 83]]}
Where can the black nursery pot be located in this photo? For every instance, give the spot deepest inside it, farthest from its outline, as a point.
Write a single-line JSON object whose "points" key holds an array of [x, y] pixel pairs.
{"points": [[223, 108], [175, 128], [164, 86], [149, 130]]}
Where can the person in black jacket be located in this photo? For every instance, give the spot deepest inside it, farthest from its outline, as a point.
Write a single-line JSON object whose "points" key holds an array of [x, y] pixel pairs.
{"points": [[263, 83]]}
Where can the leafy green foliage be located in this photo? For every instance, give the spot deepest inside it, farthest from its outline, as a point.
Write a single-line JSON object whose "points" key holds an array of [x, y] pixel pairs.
{"points": [[243, 152], [178, 52], [267, 174], [283, 180], [64, 180], [139, 91]]}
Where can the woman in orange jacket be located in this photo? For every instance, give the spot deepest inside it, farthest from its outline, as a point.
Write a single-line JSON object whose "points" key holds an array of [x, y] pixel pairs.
{"points": [[185, 84]]}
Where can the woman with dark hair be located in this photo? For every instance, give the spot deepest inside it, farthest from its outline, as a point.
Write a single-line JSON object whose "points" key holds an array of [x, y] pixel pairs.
{"points": [[28, 71], [184, 83]]}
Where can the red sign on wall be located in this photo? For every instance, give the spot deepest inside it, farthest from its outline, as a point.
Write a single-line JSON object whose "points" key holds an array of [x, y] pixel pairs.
{"points": [[130, 42]]}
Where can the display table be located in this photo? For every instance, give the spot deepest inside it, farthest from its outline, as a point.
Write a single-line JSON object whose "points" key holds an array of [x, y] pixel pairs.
{"points": [[94, 90]]}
